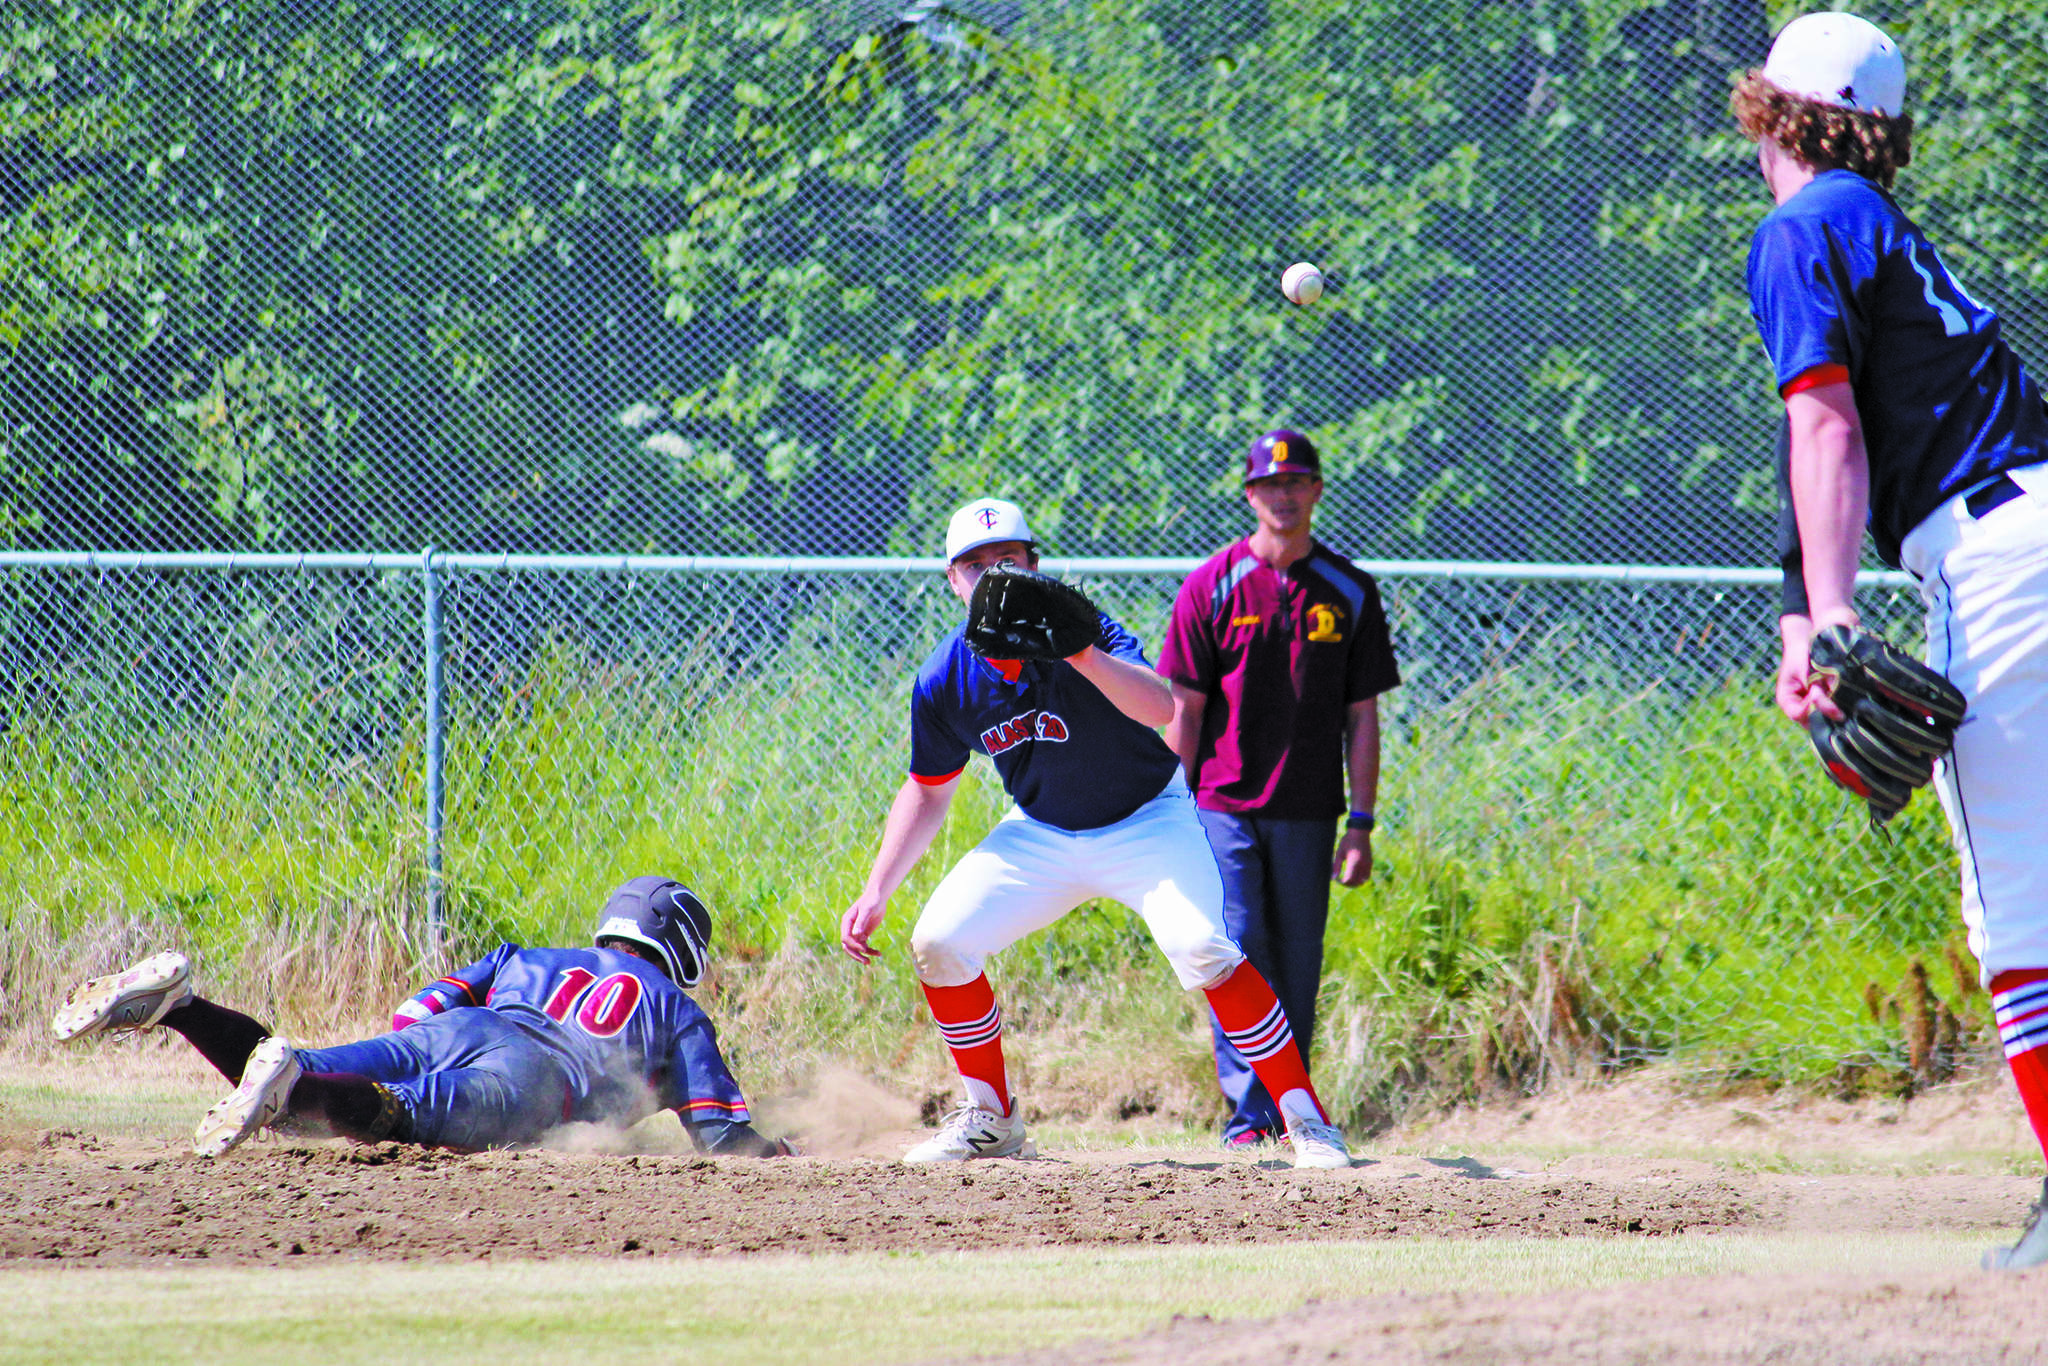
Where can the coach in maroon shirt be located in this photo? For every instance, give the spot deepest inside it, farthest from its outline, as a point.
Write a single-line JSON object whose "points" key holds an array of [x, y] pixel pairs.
{"points": [[1277, 652]]}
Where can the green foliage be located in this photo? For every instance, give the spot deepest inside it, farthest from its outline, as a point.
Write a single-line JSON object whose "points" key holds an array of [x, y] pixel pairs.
{"points": [[1564, 880], [635, 275]]}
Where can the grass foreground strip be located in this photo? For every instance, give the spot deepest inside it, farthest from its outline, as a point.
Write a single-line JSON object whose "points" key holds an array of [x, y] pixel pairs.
{"points": [[863, 1308]]}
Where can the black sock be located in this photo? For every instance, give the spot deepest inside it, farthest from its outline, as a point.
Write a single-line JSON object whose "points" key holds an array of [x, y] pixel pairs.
{"points": [[350, 1105], [223, 1037]]}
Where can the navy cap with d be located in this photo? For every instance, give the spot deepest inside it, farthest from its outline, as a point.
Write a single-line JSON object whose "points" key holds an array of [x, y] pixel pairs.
{"points": [[1281, 452]]}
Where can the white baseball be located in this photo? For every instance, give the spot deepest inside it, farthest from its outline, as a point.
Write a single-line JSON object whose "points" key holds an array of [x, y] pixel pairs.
{"points": [[1302, 283]]}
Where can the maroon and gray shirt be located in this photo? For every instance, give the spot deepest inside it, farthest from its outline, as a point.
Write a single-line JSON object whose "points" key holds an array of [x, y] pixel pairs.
{"points": [[1281, 656]]}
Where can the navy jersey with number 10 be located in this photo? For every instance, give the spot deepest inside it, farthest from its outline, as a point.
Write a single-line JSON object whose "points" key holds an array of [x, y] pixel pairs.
{"points": [[630, 1041], [1840, 277]]}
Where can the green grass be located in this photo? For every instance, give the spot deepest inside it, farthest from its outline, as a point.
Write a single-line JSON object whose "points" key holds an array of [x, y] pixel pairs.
{"points": [[1567, 879], [800, 1309]]}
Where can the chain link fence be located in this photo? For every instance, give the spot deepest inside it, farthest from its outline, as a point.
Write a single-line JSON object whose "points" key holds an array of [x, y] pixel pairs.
{"points": [[202, 743], [757, 292]]}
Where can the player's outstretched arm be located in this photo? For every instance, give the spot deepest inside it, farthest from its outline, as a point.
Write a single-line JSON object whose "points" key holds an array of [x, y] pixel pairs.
{"points": [[914, 820], [1135, 690], [1184, 731]]}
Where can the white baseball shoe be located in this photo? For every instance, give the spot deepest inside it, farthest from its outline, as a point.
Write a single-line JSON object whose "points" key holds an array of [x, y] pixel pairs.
{"points": [[1317, 1144], [970, 1132], [134, 998], [2032, 1248], [267, 1081]]}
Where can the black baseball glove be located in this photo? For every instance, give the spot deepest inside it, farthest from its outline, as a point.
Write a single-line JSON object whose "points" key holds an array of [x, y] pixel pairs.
{"points": [[1899, 716], [1017, 614]]}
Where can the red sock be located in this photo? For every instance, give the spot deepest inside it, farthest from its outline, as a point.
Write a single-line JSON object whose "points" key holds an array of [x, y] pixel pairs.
{"points": [[1252, 1018], [972, 1025], [2020, 1000]]}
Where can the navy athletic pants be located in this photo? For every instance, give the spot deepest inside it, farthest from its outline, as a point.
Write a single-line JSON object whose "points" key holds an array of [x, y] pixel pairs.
{"points": [[1276, 901], [469, 1079]]}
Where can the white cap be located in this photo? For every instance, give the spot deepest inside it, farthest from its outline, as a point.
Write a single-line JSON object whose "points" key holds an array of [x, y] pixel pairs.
{"points": [[982, 521], [1841, 60]]}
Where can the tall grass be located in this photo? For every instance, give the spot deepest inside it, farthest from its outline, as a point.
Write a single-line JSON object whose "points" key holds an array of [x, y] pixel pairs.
{"points": [[1567, 880]]}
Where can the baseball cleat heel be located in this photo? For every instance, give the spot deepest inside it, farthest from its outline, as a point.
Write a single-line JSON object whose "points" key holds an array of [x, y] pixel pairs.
{"points": [[267, 1081], [2032, 1247], [1317, 1144], [971, 1132], [134, 998]]}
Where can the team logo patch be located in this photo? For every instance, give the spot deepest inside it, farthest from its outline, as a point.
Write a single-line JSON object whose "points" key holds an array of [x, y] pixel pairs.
{"points": [[1252, 620], [1031, 725], [1325, 622]]}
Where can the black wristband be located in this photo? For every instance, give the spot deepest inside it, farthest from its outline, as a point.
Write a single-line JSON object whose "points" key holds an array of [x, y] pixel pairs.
{"points": [[1359, 820]]}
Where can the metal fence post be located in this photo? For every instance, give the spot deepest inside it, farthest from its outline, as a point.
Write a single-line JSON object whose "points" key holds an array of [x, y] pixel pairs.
{"points": [[436, 756]]}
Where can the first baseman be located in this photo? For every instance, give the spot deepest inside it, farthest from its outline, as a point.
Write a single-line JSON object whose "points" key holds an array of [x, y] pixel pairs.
{"points": [[492, 1056], [1907, 409], [1101, 811]]}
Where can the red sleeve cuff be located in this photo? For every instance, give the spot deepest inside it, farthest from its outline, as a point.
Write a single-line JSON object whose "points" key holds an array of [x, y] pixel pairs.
{"points": [[936, 782], [1819, 377]]}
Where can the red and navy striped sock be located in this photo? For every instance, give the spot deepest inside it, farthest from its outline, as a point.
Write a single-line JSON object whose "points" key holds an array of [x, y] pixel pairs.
{"points": [[2020, 1000], [971, 1023], [1254, 1022]]}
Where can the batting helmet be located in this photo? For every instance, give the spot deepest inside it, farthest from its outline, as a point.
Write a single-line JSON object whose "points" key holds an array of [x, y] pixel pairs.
{"points": [[667, 917]]}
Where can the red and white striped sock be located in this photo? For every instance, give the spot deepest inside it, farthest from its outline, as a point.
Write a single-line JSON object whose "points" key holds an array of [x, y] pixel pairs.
{"points": [[2020, 1000], [971, 1023], [1254, 1022]]}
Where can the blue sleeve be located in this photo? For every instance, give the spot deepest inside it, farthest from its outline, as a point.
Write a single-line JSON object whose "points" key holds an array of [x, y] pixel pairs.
{"points": [[465, 987], [936, 750], [702, 1091], [1115, 640], [1801, 293]]}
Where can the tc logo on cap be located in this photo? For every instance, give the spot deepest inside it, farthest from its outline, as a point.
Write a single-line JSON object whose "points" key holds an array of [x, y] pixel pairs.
{"points": [[987, 517]]}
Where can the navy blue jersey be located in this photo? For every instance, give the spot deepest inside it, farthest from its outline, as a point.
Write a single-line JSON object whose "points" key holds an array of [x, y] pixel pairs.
{"points": [[1839, 277], [631, 1041], [1065, 753]]}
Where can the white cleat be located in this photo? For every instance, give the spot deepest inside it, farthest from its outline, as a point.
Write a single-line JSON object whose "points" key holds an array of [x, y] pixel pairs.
{"points": [[970, 1132], [267, 1081], [2032, 1248], [134, 998], [1317, 1144]]}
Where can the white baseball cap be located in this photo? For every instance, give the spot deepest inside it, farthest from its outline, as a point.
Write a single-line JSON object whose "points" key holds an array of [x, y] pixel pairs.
{"points": [[1841, 60], [985, 520]]}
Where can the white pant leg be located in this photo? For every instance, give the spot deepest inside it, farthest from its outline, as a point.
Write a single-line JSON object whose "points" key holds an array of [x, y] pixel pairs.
{"points": [[1021, 877], [1159, 863], [1024, 875], [1985, 586]]}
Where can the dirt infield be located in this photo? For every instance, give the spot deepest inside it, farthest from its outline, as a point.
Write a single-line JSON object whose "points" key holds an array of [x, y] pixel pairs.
{"points": [[119, 1188], [71, 1196]]}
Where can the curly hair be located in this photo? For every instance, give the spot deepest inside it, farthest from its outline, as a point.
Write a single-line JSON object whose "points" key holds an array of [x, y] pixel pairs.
{"points": [[1823, 136]]}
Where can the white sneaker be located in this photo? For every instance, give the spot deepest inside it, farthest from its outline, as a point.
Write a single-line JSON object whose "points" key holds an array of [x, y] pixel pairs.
{"points": [[267, 1081], [134, 998], [1317, 1144], [971, 1132], [2032, 1248]]}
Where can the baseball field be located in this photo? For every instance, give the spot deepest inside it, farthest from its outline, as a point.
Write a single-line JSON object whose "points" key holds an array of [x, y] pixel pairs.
{"points": [[1632, 1221]]}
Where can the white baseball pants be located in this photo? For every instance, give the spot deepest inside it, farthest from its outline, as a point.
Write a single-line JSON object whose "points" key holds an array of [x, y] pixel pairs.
{"points": [[1985, 586], [1026, 874]]}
